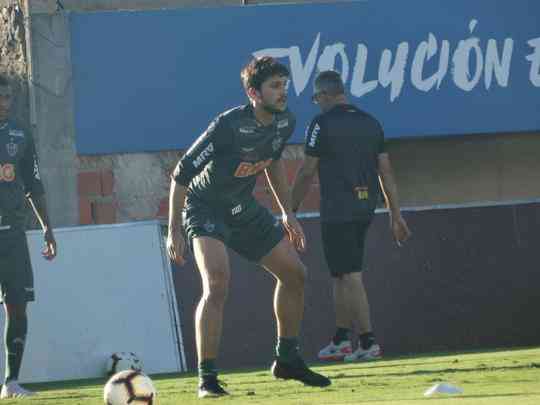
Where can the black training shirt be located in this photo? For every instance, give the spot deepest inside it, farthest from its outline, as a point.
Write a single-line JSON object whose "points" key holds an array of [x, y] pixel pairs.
{"points": [[347, 142], [221, 167], [19, 175]]}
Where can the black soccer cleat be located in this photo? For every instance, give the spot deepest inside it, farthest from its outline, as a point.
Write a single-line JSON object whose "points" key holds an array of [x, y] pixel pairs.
{"points": [[298, 370], [210, 387]]}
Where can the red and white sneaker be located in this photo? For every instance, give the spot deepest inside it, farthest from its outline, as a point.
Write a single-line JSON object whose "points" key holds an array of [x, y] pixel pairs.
{"points": [[374, 352], [334, 352]]}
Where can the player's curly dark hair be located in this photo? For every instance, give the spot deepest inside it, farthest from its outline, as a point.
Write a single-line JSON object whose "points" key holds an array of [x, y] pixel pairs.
{"points": [[259, 69]]}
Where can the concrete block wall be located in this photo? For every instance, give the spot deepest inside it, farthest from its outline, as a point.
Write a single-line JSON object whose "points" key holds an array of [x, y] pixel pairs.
{"points": [[135, 186]]}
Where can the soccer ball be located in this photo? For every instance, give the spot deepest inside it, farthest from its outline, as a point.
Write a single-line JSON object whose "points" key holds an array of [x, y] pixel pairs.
{"points": [[129, 387], [123, 361]]}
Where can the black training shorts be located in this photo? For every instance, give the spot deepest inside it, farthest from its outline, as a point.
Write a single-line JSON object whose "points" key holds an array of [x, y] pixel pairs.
{"points": [[343, 245], [16, 277], [247, 227]]}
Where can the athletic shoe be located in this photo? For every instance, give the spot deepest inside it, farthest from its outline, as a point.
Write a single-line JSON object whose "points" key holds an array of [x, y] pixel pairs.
{"points": [[210, 387], [297, 370], [335, 352], [12, 389], [374, 352]]}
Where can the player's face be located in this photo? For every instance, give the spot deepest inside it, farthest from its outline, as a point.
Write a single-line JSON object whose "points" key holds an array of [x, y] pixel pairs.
{"points": [[273, 94], [5, 102]]}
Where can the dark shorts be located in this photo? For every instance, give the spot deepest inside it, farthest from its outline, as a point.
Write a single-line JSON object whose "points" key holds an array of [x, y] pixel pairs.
{"points": [[247, 228], [343, 245], [16, 277]]}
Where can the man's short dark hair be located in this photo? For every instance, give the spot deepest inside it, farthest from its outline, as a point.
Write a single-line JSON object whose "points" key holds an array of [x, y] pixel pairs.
{"points": [[260, 69], [329, 82]]}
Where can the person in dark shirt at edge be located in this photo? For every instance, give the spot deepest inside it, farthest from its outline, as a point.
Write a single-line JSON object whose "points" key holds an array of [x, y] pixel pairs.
{"points": [[19, 182], [212, 185], [346, 146]]}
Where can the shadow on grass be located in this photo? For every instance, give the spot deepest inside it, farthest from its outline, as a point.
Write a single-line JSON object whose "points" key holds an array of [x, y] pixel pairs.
{"points": [[384, 362], [342, 375], [67, 385], [446, 398]]}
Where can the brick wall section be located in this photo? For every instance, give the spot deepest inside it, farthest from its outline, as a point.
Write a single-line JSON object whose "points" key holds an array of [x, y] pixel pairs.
{"points": [[97, 203], [263, 193]]}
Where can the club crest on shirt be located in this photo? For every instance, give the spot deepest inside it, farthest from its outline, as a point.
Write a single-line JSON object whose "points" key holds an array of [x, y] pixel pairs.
{"points": [[209, 226], [12, 148], [276, 143]]}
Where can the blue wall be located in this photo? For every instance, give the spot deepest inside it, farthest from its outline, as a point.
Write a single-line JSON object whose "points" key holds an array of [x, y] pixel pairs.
{"points": [[149, 81]]}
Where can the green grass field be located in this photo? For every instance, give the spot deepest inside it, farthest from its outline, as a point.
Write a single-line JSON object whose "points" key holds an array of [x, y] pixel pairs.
{"points": [[493, 377]]}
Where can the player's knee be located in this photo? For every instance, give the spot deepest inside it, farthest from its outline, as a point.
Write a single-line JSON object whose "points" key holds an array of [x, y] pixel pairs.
{"points": [[298, 275], [217, 287]]}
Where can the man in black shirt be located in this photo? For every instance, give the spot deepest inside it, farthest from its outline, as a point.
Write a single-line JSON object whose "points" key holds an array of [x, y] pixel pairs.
{"points": [[346, 145], [19, 181], [213, 184]]}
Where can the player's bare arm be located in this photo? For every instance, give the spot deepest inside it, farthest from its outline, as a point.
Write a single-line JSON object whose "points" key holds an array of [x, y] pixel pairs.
{"points": [[35, 196], [277, 179], [303, 180], [176, 243], [398, 225], [39, 206]]}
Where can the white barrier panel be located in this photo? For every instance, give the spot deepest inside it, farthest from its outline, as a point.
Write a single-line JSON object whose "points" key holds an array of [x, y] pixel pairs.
{"points": [[109, 289]]}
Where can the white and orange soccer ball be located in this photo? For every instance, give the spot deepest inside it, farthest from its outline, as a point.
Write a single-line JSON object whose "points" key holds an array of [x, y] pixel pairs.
{"points": [[129, 387]]}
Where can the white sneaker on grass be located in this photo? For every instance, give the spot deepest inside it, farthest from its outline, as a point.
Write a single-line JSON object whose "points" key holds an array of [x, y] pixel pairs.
{"points": [[374, 352], [334, 352], [12, 389]]}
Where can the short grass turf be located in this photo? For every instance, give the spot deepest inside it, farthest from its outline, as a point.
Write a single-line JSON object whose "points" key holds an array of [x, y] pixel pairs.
{"points": [[496, 377]]}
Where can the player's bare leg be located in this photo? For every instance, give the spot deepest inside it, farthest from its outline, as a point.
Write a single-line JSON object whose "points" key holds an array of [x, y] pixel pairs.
{"points": [[340, 344], [358, 304], [341, 305], [290, 273], [285, 265], [213, 264], [356, 300]]}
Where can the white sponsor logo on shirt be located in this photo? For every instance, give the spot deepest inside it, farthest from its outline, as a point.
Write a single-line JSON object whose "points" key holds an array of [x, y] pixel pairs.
{"points": [[246, 130], [313, 136], [37, 176], [205, 154], [16, 132], [282, 124], [237, 210]]}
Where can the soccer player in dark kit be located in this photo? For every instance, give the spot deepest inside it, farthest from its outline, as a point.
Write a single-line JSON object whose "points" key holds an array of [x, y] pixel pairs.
{"points": [[213, 184], [19, 181], [346, 146]]}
